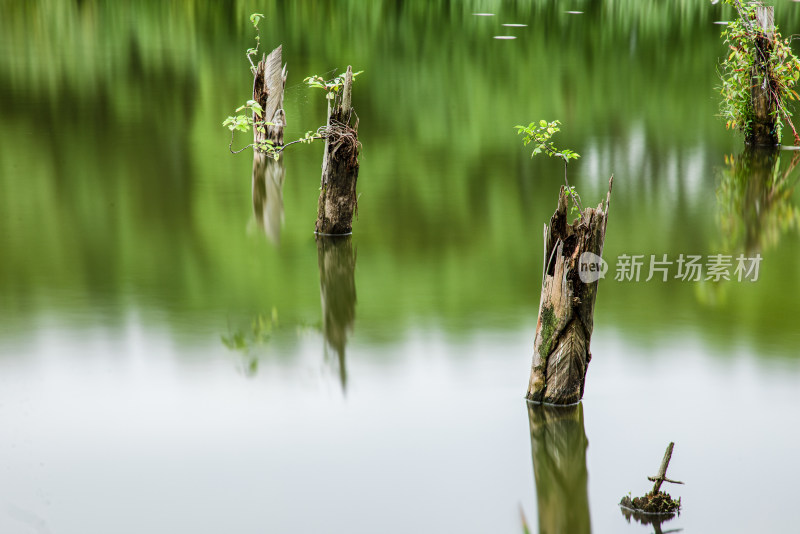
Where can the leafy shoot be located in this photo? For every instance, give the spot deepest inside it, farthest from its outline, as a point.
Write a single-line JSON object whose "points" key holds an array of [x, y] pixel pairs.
{"points": [[540, 134]]}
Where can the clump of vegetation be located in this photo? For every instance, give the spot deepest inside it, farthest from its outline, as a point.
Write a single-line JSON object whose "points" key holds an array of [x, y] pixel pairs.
{"points": [[539, 133], [652, 503], [738, 73]]}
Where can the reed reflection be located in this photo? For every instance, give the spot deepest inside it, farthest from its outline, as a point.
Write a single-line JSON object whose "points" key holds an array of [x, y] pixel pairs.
{"points": [[337, 288], [558, 445], [268, 178]]}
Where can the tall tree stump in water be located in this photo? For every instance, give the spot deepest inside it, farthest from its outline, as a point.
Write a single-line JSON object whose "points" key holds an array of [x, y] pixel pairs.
{"points": [[269, 173], [566, 308], [337, 196], [763, 93]]}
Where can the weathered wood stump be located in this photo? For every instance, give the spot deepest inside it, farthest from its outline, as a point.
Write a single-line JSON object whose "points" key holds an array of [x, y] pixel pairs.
{"points": [[337, 290], [268, 85], [558, 446], [566, 308], [337, 196], [268, 173], [763, 92]]}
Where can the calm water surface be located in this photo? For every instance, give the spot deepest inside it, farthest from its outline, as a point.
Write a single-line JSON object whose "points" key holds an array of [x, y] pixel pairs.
{"points": [[178, 354]]}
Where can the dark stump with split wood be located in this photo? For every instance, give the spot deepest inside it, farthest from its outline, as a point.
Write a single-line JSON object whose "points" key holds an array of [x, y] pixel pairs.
{"points": [[337, 195]]}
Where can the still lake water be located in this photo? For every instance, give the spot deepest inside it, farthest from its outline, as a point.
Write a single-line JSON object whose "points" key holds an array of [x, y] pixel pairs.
{"points": [[173, 359]]}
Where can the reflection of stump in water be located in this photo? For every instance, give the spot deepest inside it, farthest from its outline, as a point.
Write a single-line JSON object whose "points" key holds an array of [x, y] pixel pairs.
{"points": [[649, 519], [755, 200], [337, 287], [268, 177], [558, 445]]}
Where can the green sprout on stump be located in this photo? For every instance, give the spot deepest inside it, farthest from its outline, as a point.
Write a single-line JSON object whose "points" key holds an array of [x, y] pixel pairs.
{"points": [[539, 133], [331, 86], [255, 18]]}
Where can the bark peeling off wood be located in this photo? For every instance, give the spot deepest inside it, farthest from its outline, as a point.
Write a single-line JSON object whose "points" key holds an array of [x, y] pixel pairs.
{"points": [[566, 308]]}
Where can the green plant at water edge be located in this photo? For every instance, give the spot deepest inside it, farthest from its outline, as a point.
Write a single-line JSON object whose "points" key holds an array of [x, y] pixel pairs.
{"points": [[539, 133], [738, 74]]}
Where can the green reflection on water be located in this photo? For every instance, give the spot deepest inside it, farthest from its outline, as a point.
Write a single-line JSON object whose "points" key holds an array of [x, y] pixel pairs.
{"points": [[755, 196], [558, 445], [117, 192]]}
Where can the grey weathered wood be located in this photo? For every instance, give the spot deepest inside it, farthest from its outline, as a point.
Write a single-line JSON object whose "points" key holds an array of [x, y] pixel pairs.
{"points": [[268, 88], [763, 95], [337, 197], [566, 307], [661, 477]]}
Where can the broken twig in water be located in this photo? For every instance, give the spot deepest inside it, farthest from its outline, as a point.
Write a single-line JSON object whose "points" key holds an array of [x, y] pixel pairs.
{"points": [[657, 501], [661, 477]]}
